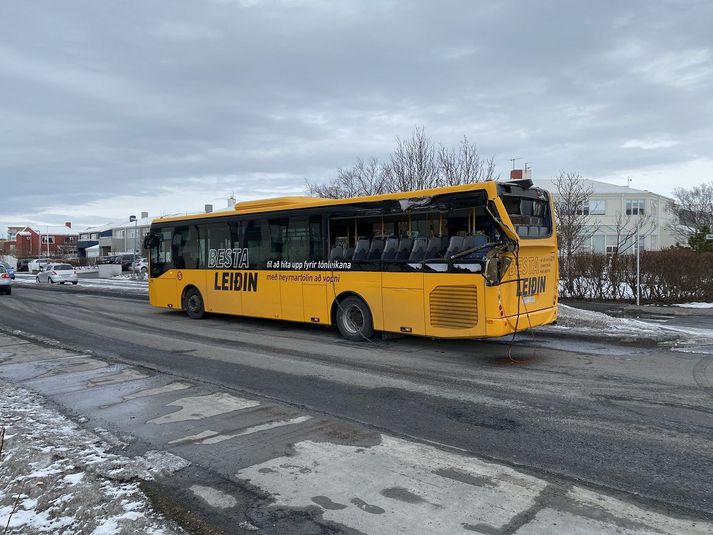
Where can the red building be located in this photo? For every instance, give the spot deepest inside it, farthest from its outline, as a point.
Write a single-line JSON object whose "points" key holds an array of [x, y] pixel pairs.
{"points": [[47, 241]]}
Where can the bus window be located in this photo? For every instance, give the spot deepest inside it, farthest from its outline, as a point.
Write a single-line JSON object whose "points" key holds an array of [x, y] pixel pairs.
{"points": [[213, 237], [531, 217], [185, 247], [160, 253], [303, 239]]}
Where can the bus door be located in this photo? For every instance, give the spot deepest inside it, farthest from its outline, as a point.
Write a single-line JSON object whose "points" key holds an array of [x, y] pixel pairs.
{"points": [[224, 260], [264, 244], [303, 291], [162, 275]]}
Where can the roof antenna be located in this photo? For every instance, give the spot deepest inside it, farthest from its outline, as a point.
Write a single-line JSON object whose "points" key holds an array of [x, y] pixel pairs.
{"points": [[628, 181], [513, 160]]}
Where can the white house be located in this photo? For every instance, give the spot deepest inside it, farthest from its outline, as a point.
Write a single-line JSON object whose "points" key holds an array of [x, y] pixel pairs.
{"points": [[612, 206]]}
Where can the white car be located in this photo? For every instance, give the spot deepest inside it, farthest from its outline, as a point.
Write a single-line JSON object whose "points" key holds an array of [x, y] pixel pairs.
{"points": [[37, 264], [57, 273], [141, 265], [5, 281]]}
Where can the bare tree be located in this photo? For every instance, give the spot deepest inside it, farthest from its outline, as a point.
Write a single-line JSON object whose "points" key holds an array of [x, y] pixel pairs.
{"points": [[364, 178], [415, 164], [693, 210], [463, 165], [574, 224]]}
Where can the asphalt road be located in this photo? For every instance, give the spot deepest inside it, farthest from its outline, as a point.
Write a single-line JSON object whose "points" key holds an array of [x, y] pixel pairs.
{"points": [[633, 422]]}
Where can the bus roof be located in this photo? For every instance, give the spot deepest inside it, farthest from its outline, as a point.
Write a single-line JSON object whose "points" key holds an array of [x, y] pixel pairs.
{"points": [[296, 202]]}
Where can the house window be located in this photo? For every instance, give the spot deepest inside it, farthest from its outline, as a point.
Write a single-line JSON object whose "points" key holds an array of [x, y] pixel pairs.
{"points": [[635, 207], [47, 239], [95, 236], [70, 239], [611, 243], [598, 243], [119, 233], [593, 207]]}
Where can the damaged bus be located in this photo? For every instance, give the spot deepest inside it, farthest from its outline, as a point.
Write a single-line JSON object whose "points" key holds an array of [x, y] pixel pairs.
{"points": [[470, 261]]}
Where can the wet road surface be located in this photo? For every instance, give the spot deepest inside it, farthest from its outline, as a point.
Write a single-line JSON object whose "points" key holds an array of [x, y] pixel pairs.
{"points": [[545, 432]]}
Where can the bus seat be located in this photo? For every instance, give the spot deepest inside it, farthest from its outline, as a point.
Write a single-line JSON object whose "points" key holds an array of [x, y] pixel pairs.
{"points": [[434, 248], [521, 231], [405, 245], [390, 249], [455, 246], [419, 249], [337, 253], [348, 253], [362, 249], [477, 241], [377, 247]]}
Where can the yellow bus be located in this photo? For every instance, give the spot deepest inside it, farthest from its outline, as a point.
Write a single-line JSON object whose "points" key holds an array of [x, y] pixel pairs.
{"points": [[470, 261]]}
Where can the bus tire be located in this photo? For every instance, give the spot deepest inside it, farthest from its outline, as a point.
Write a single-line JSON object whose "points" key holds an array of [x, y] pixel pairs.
{"points": [[193, 304], [354, 319]]}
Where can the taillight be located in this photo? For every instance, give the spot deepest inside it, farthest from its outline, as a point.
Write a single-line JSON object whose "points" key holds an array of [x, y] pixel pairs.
{"points": [[5, 276]]}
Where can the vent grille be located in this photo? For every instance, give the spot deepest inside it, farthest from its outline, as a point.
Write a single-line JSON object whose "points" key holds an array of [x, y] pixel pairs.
{"points": [[454, 307]]}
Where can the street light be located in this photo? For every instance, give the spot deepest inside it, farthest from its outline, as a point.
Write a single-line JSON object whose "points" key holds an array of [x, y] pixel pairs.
{"points": [[132, 218]]}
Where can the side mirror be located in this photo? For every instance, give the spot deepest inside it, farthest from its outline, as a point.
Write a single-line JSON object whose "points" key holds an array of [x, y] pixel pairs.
{"points": [[151, 240]]}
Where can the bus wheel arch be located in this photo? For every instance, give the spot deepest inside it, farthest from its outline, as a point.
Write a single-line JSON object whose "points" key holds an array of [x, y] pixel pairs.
{"points": [[192, 302], [352, 316]]}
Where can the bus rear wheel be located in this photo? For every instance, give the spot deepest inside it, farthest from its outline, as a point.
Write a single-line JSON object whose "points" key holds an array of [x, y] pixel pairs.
{"points": [[193, 304], [354, 319]]}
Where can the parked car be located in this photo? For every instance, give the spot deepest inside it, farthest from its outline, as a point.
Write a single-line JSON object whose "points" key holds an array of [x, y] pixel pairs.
{"points": [[125, 260], [37, 264], [5, 281], [9, 269], [22, 265], [57, 273], [106, 260], [141, 265]]}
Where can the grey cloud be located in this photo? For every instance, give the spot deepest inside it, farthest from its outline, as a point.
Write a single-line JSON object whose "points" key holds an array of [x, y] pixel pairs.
{"points": [[100, 99]]}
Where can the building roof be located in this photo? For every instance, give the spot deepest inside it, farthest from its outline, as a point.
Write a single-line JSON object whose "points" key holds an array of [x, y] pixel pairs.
{"points": [[143, 222], [598, 187], [53, 230]]}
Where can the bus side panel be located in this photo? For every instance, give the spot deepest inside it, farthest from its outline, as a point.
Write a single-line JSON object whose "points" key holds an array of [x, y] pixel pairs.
{"points": [[367, 284], [291, 295], [217, 299], [265, 301], [316, 308], [162, 291], [454, 304], [538, 286], [403, 302]]}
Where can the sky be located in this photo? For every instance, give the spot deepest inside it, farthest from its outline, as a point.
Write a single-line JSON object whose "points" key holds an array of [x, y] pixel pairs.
{"points": [[112, 108]]}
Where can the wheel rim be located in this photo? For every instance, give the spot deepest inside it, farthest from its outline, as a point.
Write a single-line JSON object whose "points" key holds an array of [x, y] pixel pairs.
{"points": [[353, 319], [195, 303]]}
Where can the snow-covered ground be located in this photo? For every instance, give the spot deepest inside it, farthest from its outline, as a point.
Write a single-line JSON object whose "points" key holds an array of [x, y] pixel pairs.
{"points": [[121, 283], [576, 321], [56, 477], [694, 305]]}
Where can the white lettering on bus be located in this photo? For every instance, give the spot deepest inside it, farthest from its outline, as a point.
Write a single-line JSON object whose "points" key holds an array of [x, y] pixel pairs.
{"points": [[228, 258]]}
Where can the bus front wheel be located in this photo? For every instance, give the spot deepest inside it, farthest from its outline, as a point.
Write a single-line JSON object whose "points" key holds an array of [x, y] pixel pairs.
{"points": [[354, 319], [193, 304]]}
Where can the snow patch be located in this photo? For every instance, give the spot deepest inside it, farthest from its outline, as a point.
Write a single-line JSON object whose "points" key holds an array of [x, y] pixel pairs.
{"points": [[64, 479]]}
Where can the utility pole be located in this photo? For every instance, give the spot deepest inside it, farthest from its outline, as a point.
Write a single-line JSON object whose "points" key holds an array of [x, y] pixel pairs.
{"points": [[132, 218], [638, 262]]}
